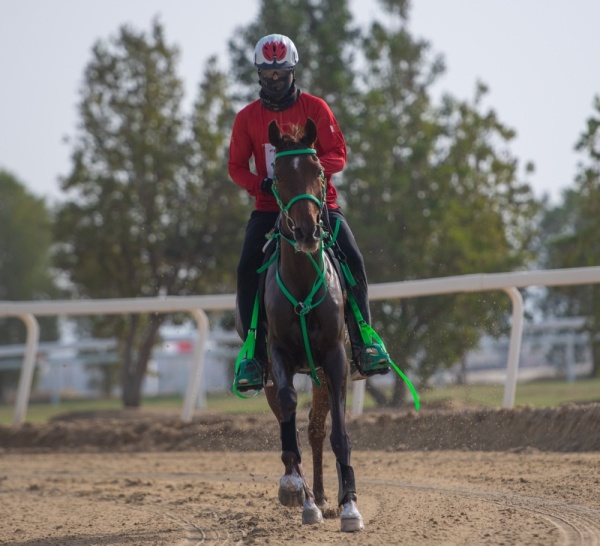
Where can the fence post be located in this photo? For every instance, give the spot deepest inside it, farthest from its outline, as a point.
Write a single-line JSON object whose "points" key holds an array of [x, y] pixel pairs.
{"points": [[26, 377], [514, 348], [195, 378], [358, 397]]}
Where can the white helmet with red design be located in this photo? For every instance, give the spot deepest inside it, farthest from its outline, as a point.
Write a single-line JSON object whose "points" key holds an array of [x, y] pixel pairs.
{"points": [[275, 51]]}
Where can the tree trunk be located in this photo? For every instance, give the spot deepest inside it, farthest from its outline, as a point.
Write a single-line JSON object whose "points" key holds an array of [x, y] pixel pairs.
{"points": [[399, 393], [128, 372], [461, 376], [135, 365], [376, 393]]}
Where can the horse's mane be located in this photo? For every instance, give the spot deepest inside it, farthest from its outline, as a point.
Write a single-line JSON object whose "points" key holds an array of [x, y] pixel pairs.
{"points": [[292, 138], [295, 133]]}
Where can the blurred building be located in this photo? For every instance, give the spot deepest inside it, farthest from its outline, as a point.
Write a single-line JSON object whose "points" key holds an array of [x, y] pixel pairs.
{"points": [[90, 368]]}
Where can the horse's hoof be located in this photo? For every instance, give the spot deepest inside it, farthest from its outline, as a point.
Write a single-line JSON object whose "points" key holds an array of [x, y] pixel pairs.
{"points": [[311, 515], [351, 519], [291, 490]]}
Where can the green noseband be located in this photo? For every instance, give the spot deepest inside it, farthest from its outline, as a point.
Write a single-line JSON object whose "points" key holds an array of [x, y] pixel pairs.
{"points": [[296, 152]]}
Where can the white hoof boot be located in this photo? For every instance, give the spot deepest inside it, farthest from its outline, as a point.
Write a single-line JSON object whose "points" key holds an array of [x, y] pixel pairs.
{"points": [[351, 519], [311, 515]]}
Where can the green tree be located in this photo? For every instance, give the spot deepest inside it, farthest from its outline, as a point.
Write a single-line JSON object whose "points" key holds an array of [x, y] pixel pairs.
{"points": [[572, 236], [25, 238], [222, 206], [442, 184], [133, 224]]}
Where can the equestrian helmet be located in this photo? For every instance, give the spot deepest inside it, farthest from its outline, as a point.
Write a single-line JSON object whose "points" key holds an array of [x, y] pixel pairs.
{"points": [[275, 51]]}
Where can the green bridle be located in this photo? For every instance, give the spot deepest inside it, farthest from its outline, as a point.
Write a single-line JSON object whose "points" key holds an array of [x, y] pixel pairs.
{"points": [[303, 308], [286, 208]]}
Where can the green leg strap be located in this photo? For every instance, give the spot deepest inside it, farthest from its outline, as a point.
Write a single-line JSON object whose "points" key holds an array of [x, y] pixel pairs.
{"points": [[247, 350], [368, 335]]}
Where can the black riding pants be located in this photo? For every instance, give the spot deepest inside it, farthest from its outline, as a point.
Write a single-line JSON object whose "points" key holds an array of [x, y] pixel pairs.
{"points": [[259, 224]]}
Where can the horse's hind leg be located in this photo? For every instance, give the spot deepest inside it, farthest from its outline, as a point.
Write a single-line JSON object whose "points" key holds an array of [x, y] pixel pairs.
{"points": [[317, 430]]}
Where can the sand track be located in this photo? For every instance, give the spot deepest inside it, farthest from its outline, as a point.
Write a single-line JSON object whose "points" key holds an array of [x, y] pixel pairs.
{"points": [[113, 493], [228, 498]]}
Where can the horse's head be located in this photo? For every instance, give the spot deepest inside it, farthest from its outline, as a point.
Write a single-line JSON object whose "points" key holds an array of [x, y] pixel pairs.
{"points": [[299, 184]]}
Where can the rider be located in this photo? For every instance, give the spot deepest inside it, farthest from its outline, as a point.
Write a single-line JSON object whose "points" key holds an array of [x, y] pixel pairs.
{"points": [[275, 56]]}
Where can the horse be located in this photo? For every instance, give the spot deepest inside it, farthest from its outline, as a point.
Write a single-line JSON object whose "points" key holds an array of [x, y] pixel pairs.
{"points": [[304, 308]]}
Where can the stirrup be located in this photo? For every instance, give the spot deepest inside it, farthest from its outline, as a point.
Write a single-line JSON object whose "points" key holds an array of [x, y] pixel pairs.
{"points": [[250, 376], [370, 360]]}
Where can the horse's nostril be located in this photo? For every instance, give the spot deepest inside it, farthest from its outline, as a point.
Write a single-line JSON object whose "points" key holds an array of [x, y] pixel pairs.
{"points": [[306, 236]]}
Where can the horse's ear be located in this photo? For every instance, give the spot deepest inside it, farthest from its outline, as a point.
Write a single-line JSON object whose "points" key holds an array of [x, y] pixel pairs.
{"points": [[310, 133], [274, 134]]}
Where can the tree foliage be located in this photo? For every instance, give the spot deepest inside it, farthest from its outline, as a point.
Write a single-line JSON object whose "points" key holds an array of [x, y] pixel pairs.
{"points": [[571, 230], [221, 205], [440, 182], [25, 239], [137, 221]]}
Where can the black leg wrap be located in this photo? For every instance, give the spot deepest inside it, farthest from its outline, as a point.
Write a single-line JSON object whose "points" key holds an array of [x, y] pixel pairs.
{"points": [[289, 437], [347, 490]]}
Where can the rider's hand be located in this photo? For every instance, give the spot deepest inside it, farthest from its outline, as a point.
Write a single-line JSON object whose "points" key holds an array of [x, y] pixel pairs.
{"points": [[266, 186]]}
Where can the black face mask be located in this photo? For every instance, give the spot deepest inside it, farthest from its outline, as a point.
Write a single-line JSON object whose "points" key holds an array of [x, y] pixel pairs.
{"points": [[275, 89], [280, 103]]}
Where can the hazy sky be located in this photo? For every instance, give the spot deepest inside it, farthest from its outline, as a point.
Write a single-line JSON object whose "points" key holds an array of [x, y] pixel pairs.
{"points": [[540, 59]]}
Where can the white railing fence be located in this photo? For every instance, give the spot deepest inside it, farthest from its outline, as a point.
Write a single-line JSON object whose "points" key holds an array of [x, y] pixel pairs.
{"points": [[197, 305]]}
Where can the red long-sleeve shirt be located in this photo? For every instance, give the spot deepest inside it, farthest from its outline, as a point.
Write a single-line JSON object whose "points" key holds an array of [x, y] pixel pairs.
{"points": [[250, 137]]}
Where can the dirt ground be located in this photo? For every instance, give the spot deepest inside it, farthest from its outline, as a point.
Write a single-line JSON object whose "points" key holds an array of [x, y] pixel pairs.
{"points": [[447, 475]]}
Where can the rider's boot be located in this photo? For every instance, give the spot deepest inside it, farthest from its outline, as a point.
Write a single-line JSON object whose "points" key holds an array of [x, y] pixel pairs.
{"points": [[252, 372], [367, 359], [251, 375]]}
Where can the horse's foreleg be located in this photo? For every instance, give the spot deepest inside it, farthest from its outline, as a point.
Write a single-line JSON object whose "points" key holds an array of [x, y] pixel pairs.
{"points": [[293, 487], [285, 403], [351, 520], [271, 394], [317, 430]]}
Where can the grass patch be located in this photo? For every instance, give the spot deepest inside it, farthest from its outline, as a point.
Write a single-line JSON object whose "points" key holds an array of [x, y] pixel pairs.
{"points": [[41, 412], [539, 394], [547, 393]]}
